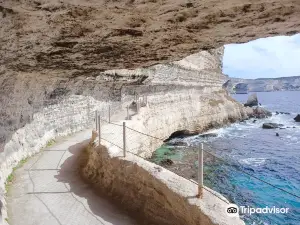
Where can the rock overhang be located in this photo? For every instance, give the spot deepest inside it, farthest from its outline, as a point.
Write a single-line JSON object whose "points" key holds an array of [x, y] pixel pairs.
{"points": [[87, 37]]}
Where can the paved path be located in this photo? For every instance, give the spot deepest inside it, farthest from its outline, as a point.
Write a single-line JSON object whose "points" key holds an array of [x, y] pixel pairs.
{"points": [[48, 191]]}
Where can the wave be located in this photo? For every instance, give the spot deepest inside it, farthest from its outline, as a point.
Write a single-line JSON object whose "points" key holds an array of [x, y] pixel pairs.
{"points": [[253, 161]]}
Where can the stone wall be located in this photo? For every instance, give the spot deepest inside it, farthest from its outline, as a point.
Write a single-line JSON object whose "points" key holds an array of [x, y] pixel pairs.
{"points": [[152, 194]]}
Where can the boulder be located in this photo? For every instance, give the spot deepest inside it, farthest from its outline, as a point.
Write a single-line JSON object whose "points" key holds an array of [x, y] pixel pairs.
{"points": [[271, 125], [252, 100], [181, 134], [260, 113], [277, 134], [297, 118], [166, 162]]}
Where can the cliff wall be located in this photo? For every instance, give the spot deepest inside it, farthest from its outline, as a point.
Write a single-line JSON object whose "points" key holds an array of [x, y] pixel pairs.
{"points": [[193, 109], [36, 109]]}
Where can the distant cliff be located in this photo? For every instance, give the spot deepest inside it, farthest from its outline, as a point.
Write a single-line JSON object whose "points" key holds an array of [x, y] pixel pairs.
{"points": [[267, 84]]}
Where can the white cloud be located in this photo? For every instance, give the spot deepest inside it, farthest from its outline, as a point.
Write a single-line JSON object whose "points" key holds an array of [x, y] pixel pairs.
{"points": [[267, 57]]}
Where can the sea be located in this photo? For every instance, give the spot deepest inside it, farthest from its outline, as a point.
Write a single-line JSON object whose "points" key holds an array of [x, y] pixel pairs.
{"points": [[248, 152]]}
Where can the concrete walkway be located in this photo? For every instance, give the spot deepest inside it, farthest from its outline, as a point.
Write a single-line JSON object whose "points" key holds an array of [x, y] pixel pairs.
{"points": [[48, 190]]}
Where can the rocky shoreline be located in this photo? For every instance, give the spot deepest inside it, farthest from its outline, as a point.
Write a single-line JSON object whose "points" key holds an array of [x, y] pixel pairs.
{"points": [[167, 155], [170, 154]]}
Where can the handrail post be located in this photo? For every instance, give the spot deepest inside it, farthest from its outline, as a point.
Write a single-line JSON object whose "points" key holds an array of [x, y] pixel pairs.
{"points": [[127, 118], [96, 119], [124, 139], [99, 129], [200, 172]]}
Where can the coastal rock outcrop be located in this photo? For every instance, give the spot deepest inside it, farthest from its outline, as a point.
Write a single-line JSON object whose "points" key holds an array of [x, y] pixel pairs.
{"points": [[297, 118], [260, 113], [181, 134], [252, 100], [272, 125]]}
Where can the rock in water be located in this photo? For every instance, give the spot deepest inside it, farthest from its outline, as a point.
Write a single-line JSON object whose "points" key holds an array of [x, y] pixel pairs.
{"points": [[252, 100], [260, 112], [181, 134], [297, 118], [277, 134], [271, 125]]}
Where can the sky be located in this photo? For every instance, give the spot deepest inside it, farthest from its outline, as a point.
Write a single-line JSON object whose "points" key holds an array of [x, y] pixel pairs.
{"points": [[263, 58]]}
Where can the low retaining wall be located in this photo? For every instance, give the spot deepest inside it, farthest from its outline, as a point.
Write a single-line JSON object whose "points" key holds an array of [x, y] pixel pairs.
{"points": [[149, 192]]}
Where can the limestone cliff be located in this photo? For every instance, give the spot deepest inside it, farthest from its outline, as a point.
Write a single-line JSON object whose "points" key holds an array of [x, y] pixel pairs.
{"points": [[183, 94]]}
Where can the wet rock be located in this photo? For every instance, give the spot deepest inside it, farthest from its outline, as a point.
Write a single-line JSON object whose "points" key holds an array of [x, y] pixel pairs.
{"points": [[285, 113], [181, 134], [297, 118], [177, 143], [260, 113], [271, 125], [277, 134], [166, 162], [254, 121], [252, 101], [208, 135]]}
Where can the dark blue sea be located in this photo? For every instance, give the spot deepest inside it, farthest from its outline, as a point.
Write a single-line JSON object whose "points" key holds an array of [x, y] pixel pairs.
{"points": [[246, 146]]}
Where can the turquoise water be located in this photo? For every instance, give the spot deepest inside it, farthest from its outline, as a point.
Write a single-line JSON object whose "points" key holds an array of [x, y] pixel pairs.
{"points": [[258, 152]]}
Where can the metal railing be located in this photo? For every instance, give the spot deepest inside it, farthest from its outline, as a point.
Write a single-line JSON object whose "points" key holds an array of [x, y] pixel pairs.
{"points": [[129, 135]]}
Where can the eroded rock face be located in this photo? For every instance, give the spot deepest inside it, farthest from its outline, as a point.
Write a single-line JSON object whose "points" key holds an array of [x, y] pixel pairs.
{"points": [[72, 38]]}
